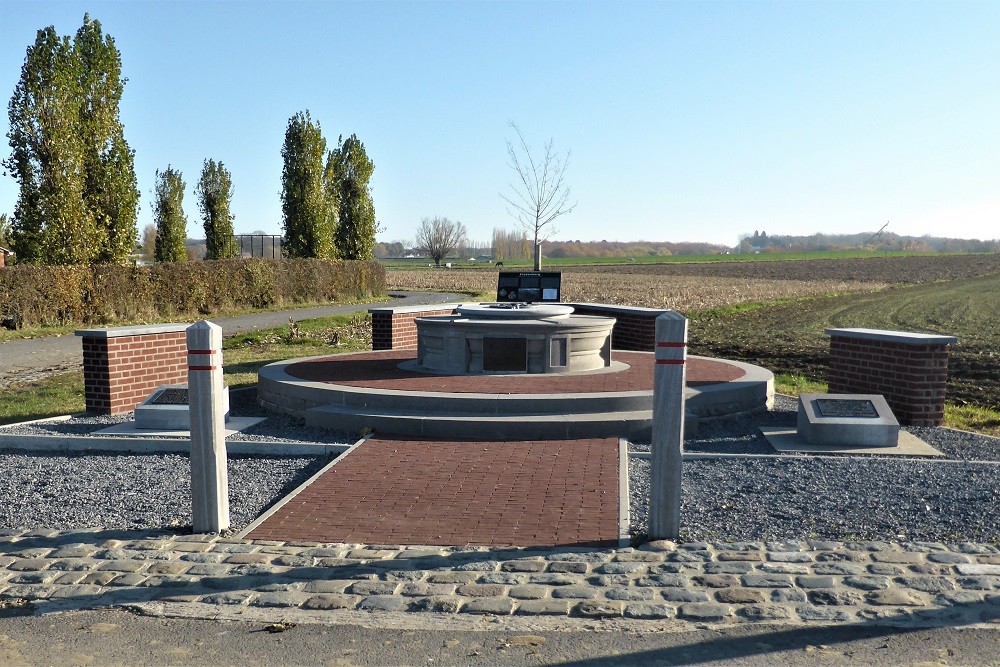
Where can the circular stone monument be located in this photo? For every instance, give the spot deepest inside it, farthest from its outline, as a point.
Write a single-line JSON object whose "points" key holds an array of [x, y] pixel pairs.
{"points": [[489, 338]]}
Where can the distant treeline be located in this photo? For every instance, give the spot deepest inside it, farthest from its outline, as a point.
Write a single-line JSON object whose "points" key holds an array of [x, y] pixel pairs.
{"points": [[760, 241], [629, 248]]}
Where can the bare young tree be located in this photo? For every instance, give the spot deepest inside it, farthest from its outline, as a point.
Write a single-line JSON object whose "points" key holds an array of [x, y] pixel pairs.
{"points": [[540, 194], [439, 236]]}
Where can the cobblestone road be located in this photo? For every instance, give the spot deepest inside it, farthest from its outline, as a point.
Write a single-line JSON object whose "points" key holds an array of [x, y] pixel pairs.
{"points": [[701, 583]]}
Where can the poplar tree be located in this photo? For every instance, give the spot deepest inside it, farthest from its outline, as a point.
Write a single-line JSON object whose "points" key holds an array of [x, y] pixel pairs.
{"points": [[215, 193], [111, 192], [355, 233], [309, 219], [51, 222], [168, 212], [77, 197]]}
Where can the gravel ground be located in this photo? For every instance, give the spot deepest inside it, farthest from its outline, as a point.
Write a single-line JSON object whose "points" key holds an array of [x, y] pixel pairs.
{"points": [[832, 497], [132, 491], [149, 491], [728, 499]]}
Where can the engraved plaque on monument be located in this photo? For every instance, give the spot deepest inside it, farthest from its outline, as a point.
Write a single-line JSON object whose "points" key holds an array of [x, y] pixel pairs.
{"points": [[508, 355], [846, 407]]}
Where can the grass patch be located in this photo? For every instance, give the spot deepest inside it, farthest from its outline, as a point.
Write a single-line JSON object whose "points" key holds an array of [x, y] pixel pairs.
{"points": [[244, 354], [793, 385], [52, 397], [972, 418]]}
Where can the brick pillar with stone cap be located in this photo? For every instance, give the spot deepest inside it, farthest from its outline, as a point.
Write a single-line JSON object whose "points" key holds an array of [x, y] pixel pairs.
{"points": [[124, 365], [668, 426], [909, 369], [209, 477]]}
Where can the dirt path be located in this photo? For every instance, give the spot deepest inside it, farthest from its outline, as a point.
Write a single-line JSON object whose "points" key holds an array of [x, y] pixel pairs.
{"points": [[33, 359]]}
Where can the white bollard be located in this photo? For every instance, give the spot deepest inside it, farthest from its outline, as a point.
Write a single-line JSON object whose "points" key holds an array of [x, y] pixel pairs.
{"points": [[668, 426], [209, 477]]}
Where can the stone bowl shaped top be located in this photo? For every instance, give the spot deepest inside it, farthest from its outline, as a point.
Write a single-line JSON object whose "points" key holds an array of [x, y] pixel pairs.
{"points": [[514, 311]]}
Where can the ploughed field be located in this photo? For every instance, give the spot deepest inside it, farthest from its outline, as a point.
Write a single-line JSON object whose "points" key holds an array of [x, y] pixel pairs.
{"points": [[786, 305]]}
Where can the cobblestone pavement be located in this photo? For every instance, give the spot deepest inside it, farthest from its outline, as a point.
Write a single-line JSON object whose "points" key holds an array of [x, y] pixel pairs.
{"points": [[909, 584]]}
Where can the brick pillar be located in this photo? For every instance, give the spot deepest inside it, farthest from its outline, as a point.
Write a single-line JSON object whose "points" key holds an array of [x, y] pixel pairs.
{"points": [[909, 369], [395, 328], [122, 366]]}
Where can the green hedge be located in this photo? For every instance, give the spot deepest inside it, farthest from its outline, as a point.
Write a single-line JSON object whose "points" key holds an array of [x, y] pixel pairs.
{"points": [[33, 295]]}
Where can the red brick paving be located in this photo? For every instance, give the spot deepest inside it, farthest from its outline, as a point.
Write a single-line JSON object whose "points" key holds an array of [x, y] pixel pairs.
{"points": [[442, 493], [378, 370]]}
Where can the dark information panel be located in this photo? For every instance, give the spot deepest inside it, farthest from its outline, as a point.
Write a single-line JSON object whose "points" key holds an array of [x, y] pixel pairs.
{"points": [[845, 407], [529, 286]]}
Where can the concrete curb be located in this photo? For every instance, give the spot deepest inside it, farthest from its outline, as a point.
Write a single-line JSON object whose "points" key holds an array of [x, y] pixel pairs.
{"points": [[134, 445]]}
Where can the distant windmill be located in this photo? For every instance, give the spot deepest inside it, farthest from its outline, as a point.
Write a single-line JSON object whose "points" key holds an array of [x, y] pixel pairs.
{"points": [[877, 235]]}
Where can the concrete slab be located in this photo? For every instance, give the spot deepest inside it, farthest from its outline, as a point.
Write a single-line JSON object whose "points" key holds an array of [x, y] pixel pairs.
{"points": [[234, 425], [167, 409], [789, 441], [847, 420]]}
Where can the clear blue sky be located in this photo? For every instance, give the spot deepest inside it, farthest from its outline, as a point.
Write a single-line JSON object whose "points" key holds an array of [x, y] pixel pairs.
{"points": [[687, 121]]}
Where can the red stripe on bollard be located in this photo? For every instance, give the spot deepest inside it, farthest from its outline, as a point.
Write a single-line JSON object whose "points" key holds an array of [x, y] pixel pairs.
{"points": [[666, 344], [202, 368], [203, 351], [670, 361]]}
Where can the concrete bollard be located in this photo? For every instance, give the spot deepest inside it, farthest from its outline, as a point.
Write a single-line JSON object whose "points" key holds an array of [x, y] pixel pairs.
{"points": [[209, 477], [668, 426]]}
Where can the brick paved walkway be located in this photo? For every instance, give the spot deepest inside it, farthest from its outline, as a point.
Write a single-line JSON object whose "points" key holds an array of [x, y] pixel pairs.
{"points": [[414, 492]]}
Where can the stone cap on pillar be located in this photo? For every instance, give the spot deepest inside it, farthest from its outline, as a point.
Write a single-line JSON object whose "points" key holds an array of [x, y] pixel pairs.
{"points": [[904, 337], [203, 335], [138, 330]]}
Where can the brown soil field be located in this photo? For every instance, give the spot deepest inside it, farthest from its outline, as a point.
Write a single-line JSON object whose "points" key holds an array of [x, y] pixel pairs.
{"points": [[609, 284], [889, 270]]}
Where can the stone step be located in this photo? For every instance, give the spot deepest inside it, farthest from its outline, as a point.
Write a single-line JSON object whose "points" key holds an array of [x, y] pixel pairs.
{"points": [[295, 398], [635, 425]]}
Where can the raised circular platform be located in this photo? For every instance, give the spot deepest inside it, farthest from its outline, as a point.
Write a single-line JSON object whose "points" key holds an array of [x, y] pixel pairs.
{"points": [[369, 390]]}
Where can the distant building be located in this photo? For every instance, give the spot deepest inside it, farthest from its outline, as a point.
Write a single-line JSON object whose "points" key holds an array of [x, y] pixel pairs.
{"points": [[3, 256]]}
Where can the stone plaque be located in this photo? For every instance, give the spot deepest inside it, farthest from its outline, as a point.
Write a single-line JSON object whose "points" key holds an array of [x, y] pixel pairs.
{"points": [[171, 397], [508, 355], [840, 407]]}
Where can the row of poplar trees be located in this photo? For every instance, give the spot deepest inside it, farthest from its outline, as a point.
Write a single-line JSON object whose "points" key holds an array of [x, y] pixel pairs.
{"points": [[326, 201], [78, 198]]}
